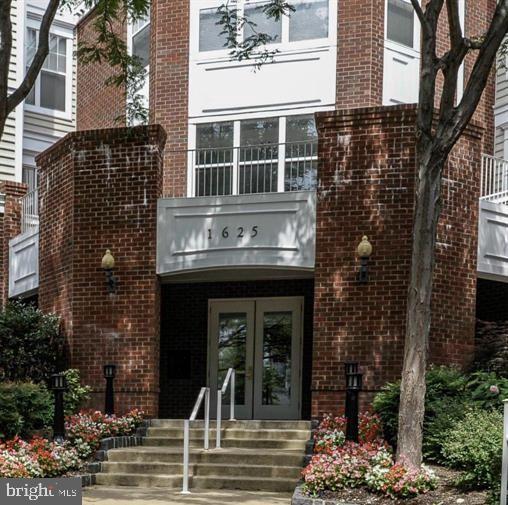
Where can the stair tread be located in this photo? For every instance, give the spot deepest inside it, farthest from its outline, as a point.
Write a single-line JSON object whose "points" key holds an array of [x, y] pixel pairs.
{"points": [[226, 450]]}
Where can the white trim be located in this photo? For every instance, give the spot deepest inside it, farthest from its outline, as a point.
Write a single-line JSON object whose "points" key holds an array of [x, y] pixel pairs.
{"points": [[460, 82]]}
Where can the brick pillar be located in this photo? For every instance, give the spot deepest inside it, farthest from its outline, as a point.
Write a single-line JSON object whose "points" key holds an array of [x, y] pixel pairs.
{"points": [[169, 86], [10, 226], [367, 173], [360, 53], [98, 191]]}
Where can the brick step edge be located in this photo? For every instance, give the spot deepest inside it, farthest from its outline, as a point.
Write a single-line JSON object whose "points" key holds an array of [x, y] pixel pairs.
{"points": [[301, 499], [94, 467]]}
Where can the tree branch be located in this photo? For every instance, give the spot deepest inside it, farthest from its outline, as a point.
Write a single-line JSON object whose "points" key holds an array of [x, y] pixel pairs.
{"points": [[452, 8], [40, 56], [5, 52], [419, 12]]}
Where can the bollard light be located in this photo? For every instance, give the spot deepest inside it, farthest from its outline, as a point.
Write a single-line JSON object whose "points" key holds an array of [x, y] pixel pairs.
{"points": [[58, 384], [353, 388], [109, 375]]}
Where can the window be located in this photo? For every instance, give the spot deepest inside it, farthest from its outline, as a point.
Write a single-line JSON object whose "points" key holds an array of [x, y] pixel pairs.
{"points": [[301, 153], [50, 89], [210, 37], [400, 22], [213, 159], [309, 21], [141, 39], [261, 23], [255, 156]]}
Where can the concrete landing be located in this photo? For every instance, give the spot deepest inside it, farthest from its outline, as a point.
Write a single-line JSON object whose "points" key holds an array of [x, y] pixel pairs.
{"points": [[135, 496]]}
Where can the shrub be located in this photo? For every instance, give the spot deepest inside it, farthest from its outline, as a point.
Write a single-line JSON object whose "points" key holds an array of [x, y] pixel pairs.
{"points": [[24, 408], [445, 386], [474, 445], [487, 389], [31, 343], [76, 395]]}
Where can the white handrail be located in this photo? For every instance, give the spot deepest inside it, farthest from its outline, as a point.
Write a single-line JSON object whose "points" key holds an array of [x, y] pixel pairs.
{"points": [[203, 393], [230, 379]]}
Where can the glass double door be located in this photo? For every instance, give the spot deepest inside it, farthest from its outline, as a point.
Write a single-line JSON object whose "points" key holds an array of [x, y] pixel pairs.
{"points": [[261, 340]]}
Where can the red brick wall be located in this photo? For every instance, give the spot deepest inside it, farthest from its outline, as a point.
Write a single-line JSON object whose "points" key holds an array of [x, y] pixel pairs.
{"points": [[169, 87], [10, 226], [366, 186], [98, 105], [98, 191], [360, 49]]}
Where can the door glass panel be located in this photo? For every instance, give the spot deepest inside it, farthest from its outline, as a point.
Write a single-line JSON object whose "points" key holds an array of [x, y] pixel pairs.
{"points": [[277, 336], [232, 352]]}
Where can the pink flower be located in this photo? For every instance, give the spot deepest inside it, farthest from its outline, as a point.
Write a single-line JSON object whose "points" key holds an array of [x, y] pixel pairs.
{"points": [[494, 389]]}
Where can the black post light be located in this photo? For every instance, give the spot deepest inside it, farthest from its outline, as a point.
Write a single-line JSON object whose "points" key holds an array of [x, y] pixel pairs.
{"points": [[353, 388], [108, 265], [109, 375], [364, 251], [58, 385]]}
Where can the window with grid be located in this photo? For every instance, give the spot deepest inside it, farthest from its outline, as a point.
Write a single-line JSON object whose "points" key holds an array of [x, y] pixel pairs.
{"points": [[50, 90]]}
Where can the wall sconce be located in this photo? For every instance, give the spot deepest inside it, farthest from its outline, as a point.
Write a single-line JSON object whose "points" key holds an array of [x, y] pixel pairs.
{"points": [[364, 252], [108, 264]]}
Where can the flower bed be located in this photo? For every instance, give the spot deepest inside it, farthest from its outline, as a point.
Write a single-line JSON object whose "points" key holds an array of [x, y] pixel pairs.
{"points": [[369, 464], [41, 458]]}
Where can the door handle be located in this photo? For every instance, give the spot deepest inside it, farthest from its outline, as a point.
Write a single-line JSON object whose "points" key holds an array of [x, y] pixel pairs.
{"points": [[248, 373]]}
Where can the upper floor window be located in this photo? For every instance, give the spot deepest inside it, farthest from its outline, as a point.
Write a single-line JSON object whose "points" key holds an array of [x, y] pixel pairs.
{"points": [[52, 86], [141, 39], [309, 21], [400, 25]]}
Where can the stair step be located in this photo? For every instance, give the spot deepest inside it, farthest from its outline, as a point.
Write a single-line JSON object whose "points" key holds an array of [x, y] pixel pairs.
{"points": [[142, 467], [246, 470], [232, 432], [138, 480], [248, 424], [245, 483], [227, 443]]}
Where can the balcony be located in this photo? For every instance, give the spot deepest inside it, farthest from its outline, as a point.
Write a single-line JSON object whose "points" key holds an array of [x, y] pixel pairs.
{"points": [[253, 208], [24, 250], [255, 169]]}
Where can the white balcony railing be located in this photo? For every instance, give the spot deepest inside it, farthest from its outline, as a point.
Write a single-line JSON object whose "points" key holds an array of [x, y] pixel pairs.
{"points": [[30, 211], [494, 179], [253, 169]]}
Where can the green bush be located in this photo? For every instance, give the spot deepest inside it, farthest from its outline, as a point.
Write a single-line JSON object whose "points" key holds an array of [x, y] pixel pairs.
{"points": [[30, 342], [24, 408], [445, 399], [487, 389], [474, 445], [76, 395]]}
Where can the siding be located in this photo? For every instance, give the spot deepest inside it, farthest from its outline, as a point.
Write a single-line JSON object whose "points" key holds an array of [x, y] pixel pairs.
{"points": [[8, 139], [501, 101]]}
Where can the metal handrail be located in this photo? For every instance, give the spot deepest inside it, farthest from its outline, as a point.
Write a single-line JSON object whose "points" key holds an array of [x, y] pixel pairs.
{"points": [[204, 393], [230, 379]]}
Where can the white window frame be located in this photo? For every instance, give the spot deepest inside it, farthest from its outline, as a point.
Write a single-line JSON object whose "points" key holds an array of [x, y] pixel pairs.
{"points": [[130, 35], [396, 46], [282, 46], [68, 35], [237, 120]]}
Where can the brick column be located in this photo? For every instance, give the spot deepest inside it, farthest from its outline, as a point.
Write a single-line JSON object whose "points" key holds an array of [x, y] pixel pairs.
{"points": [[98, 191], [367, 173], [169, 86], [10, 226]]}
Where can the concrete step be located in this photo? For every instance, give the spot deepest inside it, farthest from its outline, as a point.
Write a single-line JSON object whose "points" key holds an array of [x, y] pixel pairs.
{"points": [[228, 443], [142, 467], [138, 480], [244, 424], [245, 483], [232, 432], [156, 454], [246, 470]]}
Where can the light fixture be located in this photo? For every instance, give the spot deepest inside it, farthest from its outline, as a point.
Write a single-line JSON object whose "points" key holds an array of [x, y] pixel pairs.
{"points": [[108, 265], [58, 384], [364, 251], [109, 403]]}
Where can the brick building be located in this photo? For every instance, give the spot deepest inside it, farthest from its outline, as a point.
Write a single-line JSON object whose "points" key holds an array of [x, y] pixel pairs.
{"points": [[234, 218]]}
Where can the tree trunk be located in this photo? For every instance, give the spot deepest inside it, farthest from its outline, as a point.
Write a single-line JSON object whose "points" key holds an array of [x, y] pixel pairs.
{"points": [[418, 318], [3, 119]]}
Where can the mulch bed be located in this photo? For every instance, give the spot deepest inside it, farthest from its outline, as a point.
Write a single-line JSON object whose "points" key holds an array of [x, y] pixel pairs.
{"points": [[445, 494]]}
